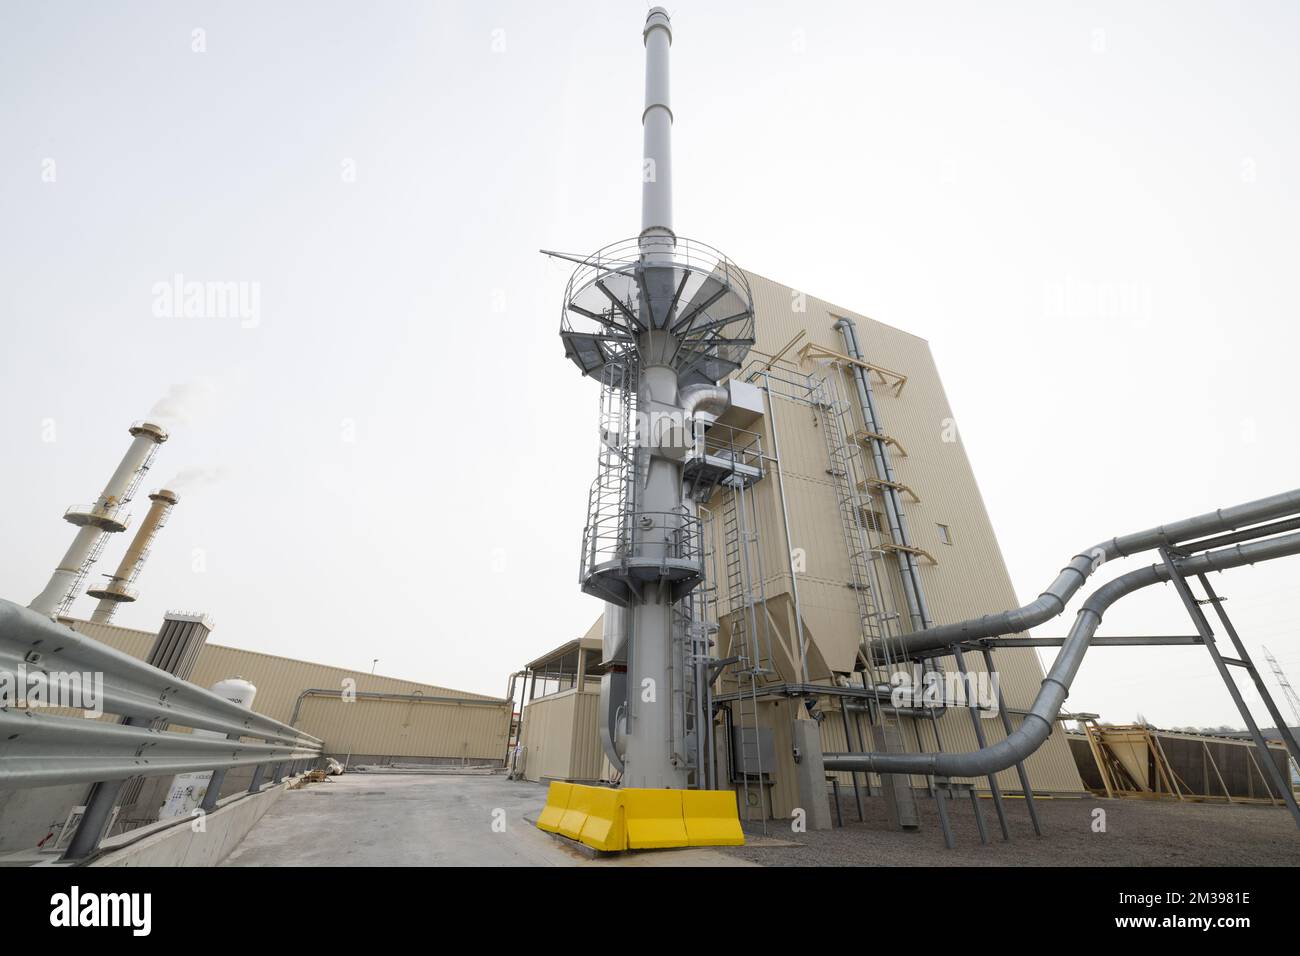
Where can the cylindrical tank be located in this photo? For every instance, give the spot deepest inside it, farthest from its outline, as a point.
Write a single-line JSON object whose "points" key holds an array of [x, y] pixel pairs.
{"points": [[188, 789]]}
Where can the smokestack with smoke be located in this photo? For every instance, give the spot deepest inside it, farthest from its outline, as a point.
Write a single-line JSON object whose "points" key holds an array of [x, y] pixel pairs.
{"points": [[187, 479], [185, 402]]}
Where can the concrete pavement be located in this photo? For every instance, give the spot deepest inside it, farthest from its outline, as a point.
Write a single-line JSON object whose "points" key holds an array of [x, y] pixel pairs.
{"points": [[377, 819]]}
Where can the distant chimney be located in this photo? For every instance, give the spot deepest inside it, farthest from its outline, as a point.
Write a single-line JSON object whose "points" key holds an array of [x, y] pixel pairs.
{"points": [[119, 589]]}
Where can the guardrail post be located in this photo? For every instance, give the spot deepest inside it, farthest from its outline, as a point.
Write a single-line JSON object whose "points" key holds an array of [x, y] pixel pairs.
{"points": [[255, 784], [94, 821], [210, 798]]}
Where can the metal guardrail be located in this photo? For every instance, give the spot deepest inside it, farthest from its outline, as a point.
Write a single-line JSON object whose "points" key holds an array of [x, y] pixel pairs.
{"points": [[39, 749], [131, 688]]}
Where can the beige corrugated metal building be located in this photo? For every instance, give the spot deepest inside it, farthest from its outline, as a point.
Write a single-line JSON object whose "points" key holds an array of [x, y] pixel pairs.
{"points": [[968, 578], [948, 521], [559, 735], [453, 726]]}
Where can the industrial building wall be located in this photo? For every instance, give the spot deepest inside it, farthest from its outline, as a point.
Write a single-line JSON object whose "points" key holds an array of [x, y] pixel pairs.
{"points": [[470, 732], [970, 577], [475, 730]]}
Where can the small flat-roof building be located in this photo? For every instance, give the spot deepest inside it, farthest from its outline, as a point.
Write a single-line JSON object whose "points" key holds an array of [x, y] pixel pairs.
{"points": [[559, 736]]}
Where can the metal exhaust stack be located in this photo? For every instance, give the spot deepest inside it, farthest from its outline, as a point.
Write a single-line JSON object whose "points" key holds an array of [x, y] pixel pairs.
{"points": [[118, 589], [657, 234], [98, 520], [659, 321]]}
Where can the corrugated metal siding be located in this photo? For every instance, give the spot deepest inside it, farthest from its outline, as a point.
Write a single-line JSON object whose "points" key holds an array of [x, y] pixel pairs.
{"points": [[586, 754], [561, 737], [470, 731], [364, 726], [971, 577]]}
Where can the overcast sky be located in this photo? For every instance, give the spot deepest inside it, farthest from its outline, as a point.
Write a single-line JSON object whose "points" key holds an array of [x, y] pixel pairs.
{"points": [[1089, 210]]}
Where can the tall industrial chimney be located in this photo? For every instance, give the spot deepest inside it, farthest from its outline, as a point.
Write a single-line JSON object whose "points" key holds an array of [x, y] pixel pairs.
{"points": [[658, 321], [118, 589], [657, 139], [98, 520]]}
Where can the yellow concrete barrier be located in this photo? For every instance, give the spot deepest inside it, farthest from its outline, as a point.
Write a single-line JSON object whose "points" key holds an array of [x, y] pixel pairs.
{"points": [[576, 813], [711, 818], [640, 819], [654, 818], [605, 827], [557, 801]]}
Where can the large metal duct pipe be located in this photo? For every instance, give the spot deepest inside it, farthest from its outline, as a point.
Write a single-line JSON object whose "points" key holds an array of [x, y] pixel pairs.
{"points": [[97, 520], [909, 571], [1052, 601], [657, 138], [712, 398], [1038, 723], [118, 589]]}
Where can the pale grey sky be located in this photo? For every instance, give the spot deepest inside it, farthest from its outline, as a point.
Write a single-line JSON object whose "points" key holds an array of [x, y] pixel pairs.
{"points": [[1088, 209]]}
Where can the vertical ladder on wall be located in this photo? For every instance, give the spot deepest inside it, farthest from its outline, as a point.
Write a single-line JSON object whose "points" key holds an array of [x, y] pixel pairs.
{"points": [[138, 477], [746, 596], [860, 538], [692, 722], [750, 636], [704, 610], [83, 572]]}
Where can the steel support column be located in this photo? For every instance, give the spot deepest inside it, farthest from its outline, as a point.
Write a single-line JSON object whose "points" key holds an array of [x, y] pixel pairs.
{"points": [[1020, 764], [1194, 611], [973, 707]]}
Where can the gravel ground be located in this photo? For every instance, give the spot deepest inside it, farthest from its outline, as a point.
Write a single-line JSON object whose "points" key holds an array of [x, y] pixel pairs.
{"points": [[1138, 833]]}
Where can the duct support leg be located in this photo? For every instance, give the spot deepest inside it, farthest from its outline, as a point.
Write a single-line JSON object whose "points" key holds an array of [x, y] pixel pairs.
{"points": [[1025, 788], [1288, 738], [1282, 785], [979, 817], [973, 705], [940, 802]]}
